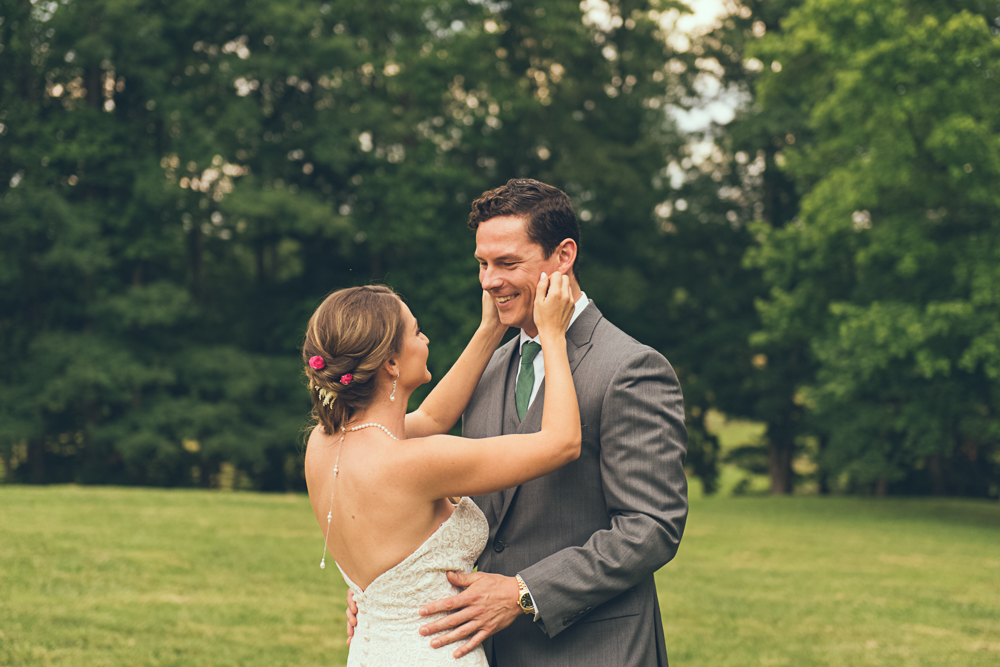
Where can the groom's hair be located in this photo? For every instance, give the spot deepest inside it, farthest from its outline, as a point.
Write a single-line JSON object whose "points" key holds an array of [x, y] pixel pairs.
{"points": [[547, 210]]}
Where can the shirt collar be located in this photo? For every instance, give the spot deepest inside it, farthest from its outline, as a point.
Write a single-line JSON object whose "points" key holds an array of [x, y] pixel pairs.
{"points": [[580, 305]]}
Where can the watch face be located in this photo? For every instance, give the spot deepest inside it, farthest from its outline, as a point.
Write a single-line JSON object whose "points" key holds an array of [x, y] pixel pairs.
{"points": [[526, 601]]}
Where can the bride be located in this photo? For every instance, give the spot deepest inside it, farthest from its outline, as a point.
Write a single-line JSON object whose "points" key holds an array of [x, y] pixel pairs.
{"points": [[382, 483]]}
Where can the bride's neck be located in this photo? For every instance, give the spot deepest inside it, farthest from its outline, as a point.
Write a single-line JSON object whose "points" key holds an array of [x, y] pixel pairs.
{"points": [[390, 414]]}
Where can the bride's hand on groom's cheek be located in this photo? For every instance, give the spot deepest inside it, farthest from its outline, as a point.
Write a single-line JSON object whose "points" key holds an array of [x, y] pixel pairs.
{"points": [[553, 307], [487, 605], [491, 317]]}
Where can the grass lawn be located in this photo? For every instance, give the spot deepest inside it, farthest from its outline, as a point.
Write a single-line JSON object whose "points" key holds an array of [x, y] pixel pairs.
{"points": [[835, 581], [110, 576], [114, 576]]}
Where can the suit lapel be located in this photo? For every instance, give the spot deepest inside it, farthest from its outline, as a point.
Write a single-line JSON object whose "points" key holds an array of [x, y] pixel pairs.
{"points": [[577, 346], [496, 386], [496, 400]]}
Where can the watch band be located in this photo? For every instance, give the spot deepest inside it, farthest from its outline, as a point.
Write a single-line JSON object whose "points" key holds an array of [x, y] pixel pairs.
{"points": [[524, 600]]}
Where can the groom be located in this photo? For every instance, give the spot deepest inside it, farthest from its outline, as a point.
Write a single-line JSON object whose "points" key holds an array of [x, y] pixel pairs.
{"points": [[567, 575]]}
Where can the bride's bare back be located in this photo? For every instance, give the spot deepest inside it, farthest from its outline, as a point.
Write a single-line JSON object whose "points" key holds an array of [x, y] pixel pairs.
{"points": [[376, 521]]}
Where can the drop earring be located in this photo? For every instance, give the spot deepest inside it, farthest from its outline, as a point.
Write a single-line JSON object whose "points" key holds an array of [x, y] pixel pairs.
{"points": [[392, 396]]}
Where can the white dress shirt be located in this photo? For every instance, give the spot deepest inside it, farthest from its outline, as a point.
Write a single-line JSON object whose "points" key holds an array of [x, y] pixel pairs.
{"points": [[539, 361]]}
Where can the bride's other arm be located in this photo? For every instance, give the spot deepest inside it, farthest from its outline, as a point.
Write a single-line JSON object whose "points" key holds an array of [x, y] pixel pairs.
{"points": [[443, 407], [444, 465]]}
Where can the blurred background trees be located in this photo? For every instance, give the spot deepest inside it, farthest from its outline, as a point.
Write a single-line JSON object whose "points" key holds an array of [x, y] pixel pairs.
{"points": [[182, 183], [892, 265]]}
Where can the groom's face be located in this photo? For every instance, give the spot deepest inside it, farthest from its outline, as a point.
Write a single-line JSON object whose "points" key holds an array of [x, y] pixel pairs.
{"points": [[510, 265]]}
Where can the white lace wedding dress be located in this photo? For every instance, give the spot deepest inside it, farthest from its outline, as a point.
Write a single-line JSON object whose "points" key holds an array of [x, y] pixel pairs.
{"points": [[388, 630]]}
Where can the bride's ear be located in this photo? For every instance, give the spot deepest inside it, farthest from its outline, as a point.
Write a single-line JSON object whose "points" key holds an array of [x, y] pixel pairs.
{"points": [[391, 367]]}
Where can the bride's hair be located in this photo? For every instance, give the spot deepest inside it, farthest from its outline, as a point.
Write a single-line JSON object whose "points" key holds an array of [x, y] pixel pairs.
{"points": [[354, 331]]}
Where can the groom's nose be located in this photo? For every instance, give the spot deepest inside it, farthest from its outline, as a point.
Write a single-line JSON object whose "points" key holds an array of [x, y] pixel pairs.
{"points": [[489, 279]]}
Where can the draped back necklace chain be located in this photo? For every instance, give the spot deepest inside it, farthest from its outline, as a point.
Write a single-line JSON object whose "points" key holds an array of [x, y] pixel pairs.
{"points": [[336, 471]]}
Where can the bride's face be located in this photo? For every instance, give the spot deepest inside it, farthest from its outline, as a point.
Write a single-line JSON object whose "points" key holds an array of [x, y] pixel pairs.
{"points": [[413, 357]]}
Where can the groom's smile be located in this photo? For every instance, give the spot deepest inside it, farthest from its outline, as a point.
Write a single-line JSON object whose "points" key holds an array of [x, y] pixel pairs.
{"points": [[503, 301], [506, 306]]}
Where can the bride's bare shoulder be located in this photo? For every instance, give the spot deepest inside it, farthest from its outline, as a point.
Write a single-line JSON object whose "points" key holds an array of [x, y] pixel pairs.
{"points": [[317, 441]]}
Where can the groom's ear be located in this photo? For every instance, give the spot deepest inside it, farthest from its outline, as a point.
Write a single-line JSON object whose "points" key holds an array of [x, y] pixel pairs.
{"points": [[565, 254]]}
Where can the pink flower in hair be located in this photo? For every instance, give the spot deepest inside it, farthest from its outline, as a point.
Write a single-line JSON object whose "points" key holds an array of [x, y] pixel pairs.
{"points": [[317, 363], [346, 378]]}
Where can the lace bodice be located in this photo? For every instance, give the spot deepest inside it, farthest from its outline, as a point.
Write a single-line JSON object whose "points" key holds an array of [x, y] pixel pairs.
{"points": [[388, 631]]}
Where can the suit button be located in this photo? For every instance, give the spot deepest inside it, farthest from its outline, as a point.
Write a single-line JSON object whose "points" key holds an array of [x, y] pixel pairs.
{"points": [[499, 546]]}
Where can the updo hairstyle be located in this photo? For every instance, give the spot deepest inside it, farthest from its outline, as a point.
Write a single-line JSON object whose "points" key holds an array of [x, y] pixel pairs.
{"points": [[355, 331]]}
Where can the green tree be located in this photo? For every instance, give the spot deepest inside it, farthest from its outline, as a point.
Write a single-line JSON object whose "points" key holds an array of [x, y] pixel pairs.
{"points": [[890, 271], [183, 182]]}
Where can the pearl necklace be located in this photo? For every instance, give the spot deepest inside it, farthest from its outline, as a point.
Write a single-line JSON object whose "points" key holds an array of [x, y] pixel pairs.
{"points": [[336, 471]]}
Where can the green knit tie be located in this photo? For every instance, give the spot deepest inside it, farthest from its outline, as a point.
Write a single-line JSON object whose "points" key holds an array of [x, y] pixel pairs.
{"points": [[526, 378]]}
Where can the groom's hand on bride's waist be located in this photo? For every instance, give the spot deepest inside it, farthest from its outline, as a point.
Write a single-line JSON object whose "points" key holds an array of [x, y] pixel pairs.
{"points": [[487, 605], [352, 615]]}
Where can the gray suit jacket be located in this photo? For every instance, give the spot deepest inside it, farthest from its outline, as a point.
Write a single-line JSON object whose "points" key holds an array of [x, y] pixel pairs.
{"points": [[588, 537]]}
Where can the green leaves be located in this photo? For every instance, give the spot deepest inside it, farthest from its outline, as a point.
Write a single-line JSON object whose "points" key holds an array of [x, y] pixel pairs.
{"points": [[193, 178], [900, 211]]}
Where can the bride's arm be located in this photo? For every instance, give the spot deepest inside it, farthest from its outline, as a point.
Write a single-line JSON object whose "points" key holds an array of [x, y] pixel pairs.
{"points": [[442, 408], [444, 465]]}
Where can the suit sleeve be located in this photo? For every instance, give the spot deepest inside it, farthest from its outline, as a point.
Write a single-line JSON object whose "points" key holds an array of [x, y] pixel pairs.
{"points": [[643, 446]]}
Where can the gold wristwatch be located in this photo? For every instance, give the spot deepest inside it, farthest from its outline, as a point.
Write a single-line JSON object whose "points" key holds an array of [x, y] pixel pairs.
{"points": [[523, 596]]}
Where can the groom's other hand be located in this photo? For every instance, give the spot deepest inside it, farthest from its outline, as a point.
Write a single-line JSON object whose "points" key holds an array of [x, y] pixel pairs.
{"points": [[486, 606], [352, 616]]}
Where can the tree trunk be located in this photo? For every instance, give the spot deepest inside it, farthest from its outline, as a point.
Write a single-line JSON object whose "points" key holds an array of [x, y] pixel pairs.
{"points": [[936, 471], [36, 461], [822, 474], [779, 465], [881, 487]]}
